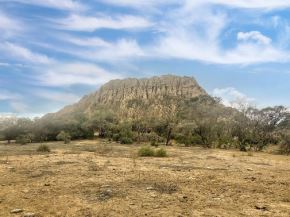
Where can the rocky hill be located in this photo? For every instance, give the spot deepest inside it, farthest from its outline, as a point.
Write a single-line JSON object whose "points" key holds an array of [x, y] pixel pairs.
{"points": [[150, 91]]}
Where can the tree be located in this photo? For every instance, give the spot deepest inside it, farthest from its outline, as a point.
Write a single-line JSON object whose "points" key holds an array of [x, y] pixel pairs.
{"points": [[64, 136], [285, 143], [23, 139], [169, 115], [137, 110]]}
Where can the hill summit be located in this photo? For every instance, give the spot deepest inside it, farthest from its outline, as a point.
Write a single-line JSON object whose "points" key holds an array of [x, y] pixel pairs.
{"points": [[152, 92]]}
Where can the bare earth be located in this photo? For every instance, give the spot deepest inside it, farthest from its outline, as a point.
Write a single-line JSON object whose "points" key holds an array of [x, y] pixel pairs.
{"points": [[97, 178]]}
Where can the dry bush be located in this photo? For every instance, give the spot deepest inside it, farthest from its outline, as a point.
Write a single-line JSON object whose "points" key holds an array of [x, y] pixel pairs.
{"points": [[160, 153], [43, 148], [146, 151]]}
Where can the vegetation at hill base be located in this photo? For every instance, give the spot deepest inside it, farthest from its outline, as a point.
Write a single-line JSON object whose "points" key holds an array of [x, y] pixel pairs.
{"points": [[176, 111]]}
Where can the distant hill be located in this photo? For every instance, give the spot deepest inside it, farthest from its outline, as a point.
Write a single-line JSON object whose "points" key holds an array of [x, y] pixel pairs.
{"points": [[150, 92]]}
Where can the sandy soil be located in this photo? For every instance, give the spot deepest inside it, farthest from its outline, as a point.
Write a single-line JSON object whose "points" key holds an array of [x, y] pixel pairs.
{"points": [[97, 178]]}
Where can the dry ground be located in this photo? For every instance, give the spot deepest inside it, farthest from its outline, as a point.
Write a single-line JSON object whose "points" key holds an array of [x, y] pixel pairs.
{"points": [[97, 178]]}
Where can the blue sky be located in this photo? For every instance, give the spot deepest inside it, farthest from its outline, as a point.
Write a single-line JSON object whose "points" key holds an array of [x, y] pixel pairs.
{"points": [[54, 52]]}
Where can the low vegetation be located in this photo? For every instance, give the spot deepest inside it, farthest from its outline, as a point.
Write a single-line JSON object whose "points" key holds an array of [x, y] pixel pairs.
{"points": [[43, 148], [200, 121], [147, 151]]}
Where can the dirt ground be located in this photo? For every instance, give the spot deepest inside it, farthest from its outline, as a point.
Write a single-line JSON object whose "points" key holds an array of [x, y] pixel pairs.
{"points": [[97, 178]]}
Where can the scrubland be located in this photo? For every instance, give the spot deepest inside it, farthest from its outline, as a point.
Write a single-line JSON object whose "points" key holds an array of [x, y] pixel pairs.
{"points": [[101, 178]]}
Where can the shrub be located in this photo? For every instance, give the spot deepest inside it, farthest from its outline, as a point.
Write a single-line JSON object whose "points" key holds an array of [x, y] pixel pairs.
{"points": [[126, 140], [154, 143], [146, 151], [285, 143], [160, 153], [43, 148], [188, 140], [23, 140], [116, 137], [64, 136]]}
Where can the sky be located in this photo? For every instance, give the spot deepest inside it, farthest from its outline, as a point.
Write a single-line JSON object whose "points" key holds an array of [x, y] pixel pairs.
{"points": [[56, 51]]}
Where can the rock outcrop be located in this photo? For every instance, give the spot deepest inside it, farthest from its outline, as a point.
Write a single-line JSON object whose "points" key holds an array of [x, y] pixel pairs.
{"points": [[151, 91]]}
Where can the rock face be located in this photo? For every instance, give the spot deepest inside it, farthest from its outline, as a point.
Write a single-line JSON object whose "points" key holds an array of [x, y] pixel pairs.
{"points": [[147, 89], [151, 91]]}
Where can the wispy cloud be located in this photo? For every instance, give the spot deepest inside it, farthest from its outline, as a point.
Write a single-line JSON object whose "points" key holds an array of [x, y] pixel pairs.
{"points": [[251, 4], [56, 96], [91, 23], [255, 36], [63, 4], [24, 54], [15, 101], [74, 73], [9, 26], [87, 42], [7, 95], [231, 97], [19, 107], [197, 36]]}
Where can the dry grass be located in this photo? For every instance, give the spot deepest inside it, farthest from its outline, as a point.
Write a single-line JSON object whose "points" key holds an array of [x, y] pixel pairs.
{"points": [[97, 178]]}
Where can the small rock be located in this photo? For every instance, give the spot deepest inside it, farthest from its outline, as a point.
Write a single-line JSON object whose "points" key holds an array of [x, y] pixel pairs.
{"points": [[131, 204], [153, 195], [250, 169], [11, 168], [183, 198], [29, 214], [261, 207], [16, 211], [105, 195], [46, 184], [149, 188]]}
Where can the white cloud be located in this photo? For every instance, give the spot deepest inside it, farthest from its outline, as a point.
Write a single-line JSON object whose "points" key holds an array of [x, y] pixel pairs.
{"points": [[91, 23], [4, 64], [18, 106], [254, 36], [23, 54], [89, 42], [97, 49], [198, 35], [56, 96], [74, 73], [231, 97], [122, 49], [57, 4], [250, 4], [140, 4], [9, 26], [7, 95]]}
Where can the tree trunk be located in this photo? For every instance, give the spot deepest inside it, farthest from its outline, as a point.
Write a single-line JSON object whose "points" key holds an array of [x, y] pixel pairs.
{"points": [[168, 136]]}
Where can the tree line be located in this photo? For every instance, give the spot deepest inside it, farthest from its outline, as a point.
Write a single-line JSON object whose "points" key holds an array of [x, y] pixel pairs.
{"points": [[198, 121]]}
